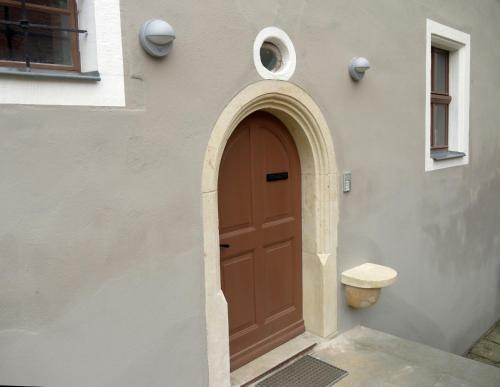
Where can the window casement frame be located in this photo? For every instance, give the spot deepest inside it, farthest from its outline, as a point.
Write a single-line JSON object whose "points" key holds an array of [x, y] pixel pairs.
{"points": [[457, 44], [440, 98], [72, 13]]}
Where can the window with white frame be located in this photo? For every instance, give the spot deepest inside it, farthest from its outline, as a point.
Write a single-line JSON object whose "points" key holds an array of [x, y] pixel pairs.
{"points": [[447, 97], [74, 45]]}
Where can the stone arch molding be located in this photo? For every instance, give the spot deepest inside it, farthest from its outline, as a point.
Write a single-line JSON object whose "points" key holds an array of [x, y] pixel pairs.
{"points": [[303, 118]]}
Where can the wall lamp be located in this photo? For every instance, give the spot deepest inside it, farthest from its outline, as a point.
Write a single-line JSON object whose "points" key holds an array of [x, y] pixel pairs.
{"points": [[157, 37], [357, 68]]}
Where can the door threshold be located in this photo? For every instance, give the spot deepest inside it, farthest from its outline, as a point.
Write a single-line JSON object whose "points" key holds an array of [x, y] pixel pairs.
{"points": [[274, 359]]}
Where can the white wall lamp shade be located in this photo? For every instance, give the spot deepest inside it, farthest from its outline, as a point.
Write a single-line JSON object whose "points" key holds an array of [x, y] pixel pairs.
{"points": [[358, 67], [157, 37]]}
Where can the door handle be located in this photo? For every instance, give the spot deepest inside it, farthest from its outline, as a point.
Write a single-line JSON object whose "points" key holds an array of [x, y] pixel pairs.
{"points": [[224, 246]]}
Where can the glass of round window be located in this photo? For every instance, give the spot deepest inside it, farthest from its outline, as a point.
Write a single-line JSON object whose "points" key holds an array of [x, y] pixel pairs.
{"points": [[270, 56]]}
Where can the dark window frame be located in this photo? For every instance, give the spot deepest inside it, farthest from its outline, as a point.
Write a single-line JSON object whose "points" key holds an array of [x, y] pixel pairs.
{"points": [[440, 98], [72, 14]]}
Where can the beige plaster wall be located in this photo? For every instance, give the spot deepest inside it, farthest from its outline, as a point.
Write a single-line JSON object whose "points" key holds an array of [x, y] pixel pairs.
{"points": [[101, 248]]}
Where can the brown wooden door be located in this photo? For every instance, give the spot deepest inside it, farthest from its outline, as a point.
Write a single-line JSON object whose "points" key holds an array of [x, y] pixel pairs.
{"points": [[260, 221]]}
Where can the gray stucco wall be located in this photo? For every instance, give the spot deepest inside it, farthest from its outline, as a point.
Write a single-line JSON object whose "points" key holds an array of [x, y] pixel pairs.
{"points": [[100, 239]]}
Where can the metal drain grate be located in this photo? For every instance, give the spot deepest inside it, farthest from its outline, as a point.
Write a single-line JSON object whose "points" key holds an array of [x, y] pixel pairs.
{"points": [[307, 371]]}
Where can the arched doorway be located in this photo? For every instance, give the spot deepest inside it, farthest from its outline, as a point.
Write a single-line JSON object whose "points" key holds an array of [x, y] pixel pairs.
{"points": [[259, 204], [308, 128]]}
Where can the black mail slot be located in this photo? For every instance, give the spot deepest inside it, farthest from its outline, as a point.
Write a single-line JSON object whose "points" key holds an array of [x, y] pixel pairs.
{"points": [[277, 176]]}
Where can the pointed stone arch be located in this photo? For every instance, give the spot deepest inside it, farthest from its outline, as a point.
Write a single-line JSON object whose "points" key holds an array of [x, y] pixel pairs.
{"points": [[303, 118]]}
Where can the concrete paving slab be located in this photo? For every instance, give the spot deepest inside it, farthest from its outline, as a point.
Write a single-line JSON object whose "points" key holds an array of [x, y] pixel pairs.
{"points": [[488, 350], [376, 359], [481, 359], [494, 335]]}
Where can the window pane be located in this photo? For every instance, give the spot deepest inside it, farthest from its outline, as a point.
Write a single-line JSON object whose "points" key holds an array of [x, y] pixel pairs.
{"points": [[439, 113], [43, 45], [440, 73], [50, 3], [10, 37], [270, 56]]}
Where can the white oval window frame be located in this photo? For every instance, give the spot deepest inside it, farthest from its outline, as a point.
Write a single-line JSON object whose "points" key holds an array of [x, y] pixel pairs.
{"points": [[279, 38]]}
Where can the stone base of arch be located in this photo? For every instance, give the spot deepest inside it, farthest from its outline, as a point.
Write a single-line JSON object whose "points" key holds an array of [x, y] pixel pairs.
{"points": [[296, 109]]}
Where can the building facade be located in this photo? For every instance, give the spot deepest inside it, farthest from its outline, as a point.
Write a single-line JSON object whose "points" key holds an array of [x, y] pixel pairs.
{"points": [[109, 239]]}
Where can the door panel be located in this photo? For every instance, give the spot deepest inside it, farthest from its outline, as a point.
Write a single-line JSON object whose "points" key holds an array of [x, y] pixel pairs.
{"points": [[278, 274], [239, 290], [278, 201], [237, 210], [260, 221]]}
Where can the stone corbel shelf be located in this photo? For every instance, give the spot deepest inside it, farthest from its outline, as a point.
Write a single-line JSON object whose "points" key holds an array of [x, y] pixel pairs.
{"points": [[363, 283]]}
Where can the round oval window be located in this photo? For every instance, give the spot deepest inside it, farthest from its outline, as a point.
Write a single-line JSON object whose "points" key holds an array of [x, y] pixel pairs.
{"points": [[273, 54], [270, 56]]}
